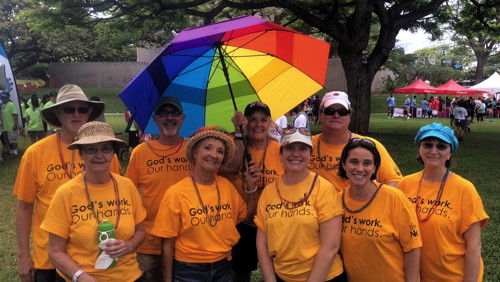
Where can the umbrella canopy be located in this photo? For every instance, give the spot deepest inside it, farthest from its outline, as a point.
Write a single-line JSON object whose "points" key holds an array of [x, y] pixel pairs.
{"points": [[218, 68], [492, 84], [418, 87], [453, 88]]}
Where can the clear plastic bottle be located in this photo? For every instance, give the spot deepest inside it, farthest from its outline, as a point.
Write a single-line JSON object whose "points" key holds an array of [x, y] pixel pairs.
{"points": [[105, 231]]}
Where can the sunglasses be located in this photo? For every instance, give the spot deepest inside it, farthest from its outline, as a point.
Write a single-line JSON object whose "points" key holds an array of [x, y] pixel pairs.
{"points": [[439, 146], [72, 110], [363, 141], [94, 150], [164, 114], [257, 104], [332, 111], [302, 130]]}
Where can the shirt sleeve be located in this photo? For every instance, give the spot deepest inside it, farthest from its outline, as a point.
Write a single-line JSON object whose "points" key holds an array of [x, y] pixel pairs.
{"points": [[168, 219]]}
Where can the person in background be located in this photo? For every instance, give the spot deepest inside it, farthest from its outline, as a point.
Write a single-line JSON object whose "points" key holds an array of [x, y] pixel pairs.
{"points": [[10, 126], [198, 215], [134, 133], [425, 108], [279, 125], [154, 166], [315, 108], [460, 116], [34, 120], [391, 103], [335, 116], [47, 104], [434, 105], [450, 230], [407, 104], [299, 219], [80, 206], [413, 106], [300, 119], [102, 118], [393, 243], [44, 167]]}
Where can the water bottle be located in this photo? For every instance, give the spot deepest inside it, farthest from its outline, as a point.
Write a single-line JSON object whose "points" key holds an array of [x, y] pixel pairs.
{"points": [[105, 231]]}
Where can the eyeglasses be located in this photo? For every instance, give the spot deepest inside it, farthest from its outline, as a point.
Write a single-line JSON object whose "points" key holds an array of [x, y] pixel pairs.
{"points": [[363, 141], [164, 114], [332, 111], [439, 146], [257, 104], [72, 110], [94, 150], [302, 130]]}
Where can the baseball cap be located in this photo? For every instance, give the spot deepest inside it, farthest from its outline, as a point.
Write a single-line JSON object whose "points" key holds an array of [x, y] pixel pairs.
{"points": [[335, 97], [168, 100], [292, 135], [257, 106]]}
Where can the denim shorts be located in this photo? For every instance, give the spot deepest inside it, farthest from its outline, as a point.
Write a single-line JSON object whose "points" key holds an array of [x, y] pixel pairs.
{"points": [[219, 271]]}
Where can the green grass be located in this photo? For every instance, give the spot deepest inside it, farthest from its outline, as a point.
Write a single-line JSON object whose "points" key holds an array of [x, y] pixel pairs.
{"points": [[476, 160]]}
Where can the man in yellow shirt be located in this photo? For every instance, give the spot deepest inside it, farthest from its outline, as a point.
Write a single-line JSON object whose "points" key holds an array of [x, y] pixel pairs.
{"points": [[335, 115], [154, 166], [44, 167]]}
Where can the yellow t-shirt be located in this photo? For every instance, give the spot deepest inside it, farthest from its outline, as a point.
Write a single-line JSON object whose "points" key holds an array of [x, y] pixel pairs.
{"points": [[271, 169], [40, 173], [70, 217], [326, 163], [154, 168], [293, 238], [442, 256], [374, 240], [181, 216]]}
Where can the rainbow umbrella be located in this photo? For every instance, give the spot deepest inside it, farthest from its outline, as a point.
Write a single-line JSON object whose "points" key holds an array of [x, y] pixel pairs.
{"points": [[219, 68]]}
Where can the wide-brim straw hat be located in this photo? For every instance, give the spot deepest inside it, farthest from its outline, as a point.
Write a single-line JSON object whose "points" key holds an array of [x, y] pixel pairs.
{"points": [[95, 132], [213, 132], [69, 93]]}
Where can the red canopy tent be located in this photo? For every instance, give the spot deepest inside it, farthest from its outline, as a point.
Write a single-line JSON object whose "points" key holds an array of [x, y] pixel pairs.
{"points": [[418, 87], [453, 88]]}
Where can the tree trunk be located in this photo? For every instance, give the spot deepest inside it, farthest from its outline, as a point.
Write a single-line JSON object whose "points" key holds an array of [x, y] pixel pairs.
{"points": [[359, 81], [482, 58]]}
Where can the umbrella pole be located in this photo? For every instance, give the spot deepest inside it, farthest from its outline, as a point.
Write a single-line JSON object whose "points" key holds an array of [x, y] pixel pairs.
{"points": [[226, 75]]}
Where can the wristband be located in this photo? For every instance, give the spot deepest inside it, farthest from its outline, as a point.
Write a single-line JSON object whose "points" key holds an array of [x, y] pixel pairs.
{"points": [[77, 274], [237, 135]]}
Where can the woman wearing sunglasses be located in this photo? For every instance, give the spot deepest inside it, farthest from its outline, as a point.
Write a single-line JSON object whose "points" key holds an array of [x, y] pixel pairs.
{"points": [[264, 152], [378, 220], [449, 210], [79, 247], [299, 219]]}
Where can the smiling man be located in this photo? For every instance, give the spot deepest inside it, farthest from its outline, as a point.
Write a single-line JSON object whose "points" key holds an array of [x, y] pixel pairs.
{"points": [[335, 115], [154, 167], [46, 166]]}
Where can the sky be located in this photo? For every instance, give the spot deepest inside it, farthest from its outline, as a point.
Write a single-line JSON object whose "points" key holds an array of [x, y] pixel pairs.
{"points": [[414, 41]]}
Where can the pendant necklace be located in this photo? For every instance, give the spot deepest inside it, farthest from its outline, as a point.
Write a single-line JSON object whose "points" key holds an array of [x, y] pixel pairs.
{"points": [[365, 205], [176, 148], [297, 204], [436, 202], [205, 209], [61, 157], [117, 198]]}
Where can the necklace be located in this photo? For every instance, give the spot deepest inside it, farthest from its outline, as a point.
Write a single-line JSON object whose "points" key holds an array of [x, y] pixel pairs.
{"points": [[365, 205], [323, 166], [297, 204], [436, 202], [177, 147], [203, 207], [117, 203], [61, 157]]}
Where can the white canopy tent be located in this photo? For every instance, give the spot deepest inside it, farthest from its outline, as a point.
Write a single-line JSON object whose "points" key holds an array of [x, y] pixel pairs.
{"points": [[492, 84]]}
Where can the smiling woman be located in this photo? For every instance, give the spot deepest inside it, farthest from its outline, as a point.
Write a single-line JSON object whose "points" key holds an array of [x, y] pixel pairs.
{"points": [[449, 210]]}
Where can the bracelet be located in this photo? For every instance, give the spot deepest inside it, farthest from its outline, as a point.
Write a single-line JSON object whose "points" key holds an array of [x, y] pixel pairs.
{"points": [[77, 274], [251, 191], [238, 135]]}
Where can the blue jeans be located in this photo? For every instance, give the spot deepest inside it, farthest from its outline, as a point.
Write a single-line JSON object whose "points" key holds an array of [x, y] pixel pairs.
{"points": [[202, 272]]}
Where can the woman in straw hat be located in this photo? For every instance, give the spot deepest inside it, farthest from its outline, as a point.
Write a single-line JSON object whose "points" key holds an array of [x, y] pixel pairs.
{"points": [[44, 167], [299, 219], [378, 220], [198, 215], [81, 207], [449, 210]]}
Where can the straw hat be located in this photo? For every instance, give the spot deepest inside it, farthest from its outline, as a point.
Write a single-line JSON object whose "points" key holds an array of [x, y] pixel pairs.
{"points": [[213, 132], [69, 93], [95, 132]]}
